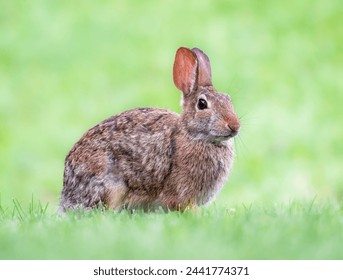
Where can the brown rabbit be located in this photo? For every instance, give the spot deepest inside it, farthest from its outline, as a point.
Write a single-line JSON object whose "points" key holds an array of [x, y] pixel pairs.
{"points": [[149, 158]]}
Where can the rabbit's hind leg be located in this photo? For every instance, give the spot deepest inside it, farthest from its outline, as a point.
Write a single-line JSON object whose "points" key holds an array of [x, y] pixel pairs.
{"points": [[115, 197]]}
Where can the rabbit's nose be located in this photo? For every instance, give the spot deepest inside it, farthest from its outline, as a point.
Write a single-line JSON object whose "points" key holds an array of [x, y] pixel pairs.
{"points": [[234, 126], [233, 132]]}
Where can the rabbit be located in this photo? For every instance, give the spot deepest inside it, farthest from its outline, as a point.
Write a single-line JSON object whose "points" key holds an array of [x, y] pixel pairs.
{"points": [[149, 158]]}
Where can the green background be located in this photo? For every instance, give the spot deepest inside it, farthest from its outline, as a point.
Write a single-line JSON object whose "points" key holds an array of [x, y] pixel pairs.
{"points": [[67, 65]]}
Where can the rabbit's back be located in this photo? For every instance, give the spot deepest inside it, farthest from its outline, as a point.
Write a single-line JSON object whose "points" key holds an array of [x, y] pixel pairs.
{"points": [[131, 153]]}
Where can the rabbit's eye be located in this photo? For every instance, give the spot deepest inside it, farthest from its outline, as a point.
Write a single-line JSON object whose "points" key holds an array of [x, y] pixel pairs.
{"points": [[202, 104]]}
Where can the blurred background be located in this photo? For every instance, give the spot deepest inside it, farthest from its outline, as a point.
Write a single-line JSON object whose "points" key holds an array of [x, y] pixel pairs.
{"points": [[67, 65]]}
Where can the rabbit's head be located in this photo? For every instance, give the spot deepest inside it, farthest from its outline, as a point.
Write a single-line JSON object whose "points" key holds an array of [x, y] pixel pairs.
{"points": [[207, 115]]}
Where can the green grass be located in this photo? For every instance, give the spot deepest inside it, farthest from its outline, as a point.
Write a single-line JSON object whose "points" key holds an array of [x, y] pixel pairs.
{"points": [[291, 231], [66, 65]]}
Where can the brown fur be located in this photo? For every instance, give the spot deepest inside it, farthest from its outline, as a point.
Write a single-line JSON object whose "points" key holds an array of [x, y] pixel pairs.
{"points": [[148, 158]]}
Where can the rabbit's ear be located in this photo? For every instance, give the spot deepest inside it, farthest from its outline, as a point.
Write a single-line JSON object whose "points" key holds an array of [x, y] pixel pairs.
{"points": [[204, 71], [185, 70]]}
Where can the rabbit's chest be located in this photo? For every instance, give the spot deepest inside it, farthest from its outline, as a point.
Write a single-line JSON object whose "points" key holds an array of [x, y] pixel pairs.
{"points": [[203, 172], [214, 176]]}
